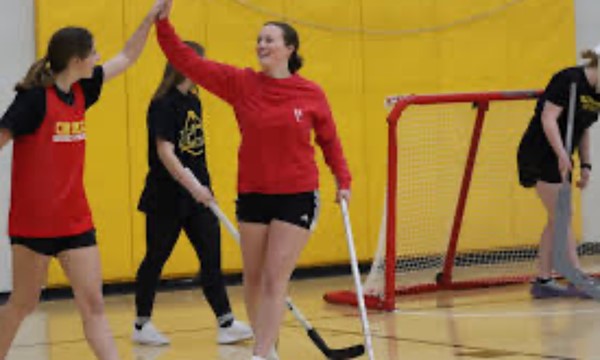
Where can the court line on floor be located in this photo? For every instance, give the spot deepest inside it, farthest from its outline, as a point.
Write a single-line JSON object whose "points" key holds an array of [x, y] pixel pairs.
{"points": [[324, 329], [500, 313], [441, 311], [426, 310], [434, 312], [125, 337], [446, 345]]}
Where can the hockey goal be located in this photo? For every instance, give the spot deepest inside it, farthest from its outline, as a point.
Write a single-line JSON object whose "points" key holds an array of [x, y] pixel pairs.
{"points": [[451, 210]]}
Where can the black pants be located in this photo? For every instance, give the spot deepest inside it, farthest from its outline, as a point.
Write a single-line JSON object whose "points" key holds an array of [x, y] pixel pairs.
{"points": [[162, 231]]}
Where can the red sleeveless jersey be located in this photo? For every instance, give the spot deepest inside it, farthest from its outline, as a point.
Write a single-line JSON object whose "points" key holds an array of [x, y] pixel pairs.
{"points": [[48, 198]]}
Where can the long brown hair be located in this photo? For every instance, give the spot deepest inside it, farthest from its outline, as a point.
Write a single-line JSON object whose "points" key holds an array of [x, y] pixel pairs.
{"points": [[65, 44], [172, 77]]}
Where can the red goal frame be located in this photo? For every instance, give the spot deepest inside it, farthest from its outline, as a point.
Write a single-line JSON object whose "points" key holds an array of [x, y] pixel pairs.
{"points": [[481, 101]]}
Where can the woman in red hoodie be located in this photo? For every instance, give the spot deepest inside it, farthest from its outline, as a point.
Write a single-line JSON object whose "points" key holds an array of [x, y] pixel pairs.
{"points": [[49, 212], [276, 110]]}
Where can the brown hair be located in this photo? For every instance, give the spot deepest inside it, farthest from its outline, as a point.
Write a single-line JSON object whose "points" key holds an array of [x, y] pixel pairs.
{"points": [[172, 77], [65, 44], [591, 56]]}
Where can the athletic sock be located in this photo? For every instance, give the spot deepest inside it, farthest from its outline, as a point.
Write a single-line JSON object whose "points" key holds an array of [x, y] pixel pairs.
{"points": [[140, 321], [225, 320]]}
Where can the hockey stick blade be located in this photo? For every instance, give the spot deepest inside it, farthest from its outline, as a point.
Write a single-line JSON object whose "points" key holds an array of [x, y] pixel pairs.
{"points": [[335, 354], [562, 264]]}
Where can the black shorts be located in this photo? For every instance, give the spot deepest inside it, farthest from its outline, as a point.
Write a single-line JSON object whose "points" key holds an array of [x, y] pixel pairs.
{"points": [[56, 245], [299, 209], [546, 170]]}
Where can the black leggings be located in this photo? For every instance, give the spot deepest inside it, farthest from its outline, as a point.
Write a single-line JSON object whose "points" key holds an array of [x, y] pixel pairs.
{"points": [[162, 231]]}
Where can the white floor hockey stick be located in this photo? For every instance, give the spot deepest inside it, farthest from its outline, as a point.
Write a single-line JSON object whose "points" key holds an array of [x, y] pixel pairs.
{"points": [[357, 282]]}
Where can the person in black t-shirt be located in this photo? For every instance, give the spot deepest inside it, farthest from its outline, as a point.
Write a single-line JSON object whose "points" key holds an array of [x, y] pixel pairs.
{"points": [[49, 213], [174, 198], [543, 161]]}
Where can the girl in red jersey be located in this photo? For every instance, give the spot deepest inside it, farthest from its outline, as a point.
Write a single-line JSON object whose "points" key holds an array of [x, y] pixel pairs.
{"points": [[277, 203], [49, 212]]}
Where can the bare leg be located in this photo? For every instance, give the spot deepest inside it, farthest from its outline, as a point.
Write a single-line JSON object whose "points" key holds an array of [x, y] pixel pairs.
{"points": [[253, 242], [83, 269], [285, 243], [29, 275]]}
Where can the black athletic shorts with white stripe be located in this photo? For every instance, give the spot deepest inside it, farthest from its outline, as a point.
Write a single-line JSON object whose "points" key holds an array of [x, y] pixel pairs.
{"points": [[299, 209]]}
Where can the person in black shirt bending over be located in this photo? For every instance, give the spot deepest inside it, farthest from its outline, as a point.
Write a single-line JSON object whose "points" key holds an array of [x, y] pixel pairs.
{"points": [[174, 198], [544, 162]]}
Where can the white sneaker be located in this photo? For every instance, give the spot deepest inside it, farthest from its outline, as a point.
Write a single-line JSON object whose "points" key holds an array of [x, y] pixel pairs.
{"points": [[256, 357], [238, 331], [149, 335]]}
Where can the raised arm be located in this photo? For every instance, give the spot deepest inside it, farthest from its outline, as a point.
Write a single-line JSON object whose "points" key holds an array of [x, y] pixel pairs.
{"points": [[223, 80], [134, 46]]}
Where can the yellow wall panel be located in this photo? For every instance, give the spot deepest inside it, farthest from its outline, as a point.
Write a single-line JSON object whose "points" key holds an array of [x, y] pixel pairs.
{"points": [[399, 58], [468, 62]]}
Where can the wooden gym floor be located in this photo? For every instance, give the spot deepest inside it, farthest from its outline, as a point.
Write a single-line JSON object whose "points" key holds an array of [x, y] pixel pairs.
{"points": [[500, 323]]}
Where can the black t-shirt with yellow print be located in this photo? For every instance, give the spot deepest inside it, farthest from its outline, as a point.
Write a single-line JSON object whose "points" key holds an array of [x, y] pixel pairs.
{"points": [[535, 147], [176, 118]]}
